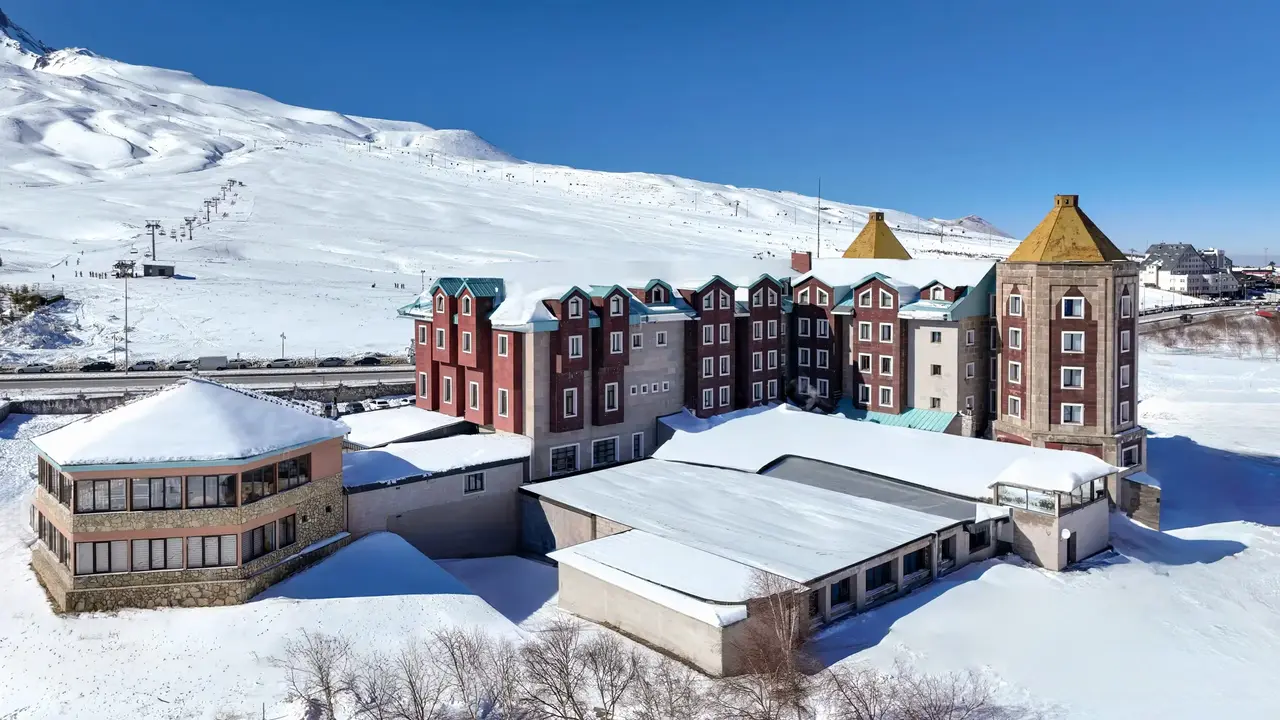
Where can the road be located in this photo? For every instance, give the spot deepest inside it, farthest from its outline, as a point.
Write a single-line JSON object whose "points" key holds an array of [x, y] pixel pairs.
{"points": [[1196, 313], [96, 382]]}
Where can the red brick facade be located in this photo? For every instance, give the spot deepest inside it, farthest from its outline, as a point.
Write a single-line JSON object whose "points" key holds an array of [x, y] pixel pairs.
{"points": [[1009, 354], [1087, 360], [570, 359], [818, 350], [870, 320], [759, 346], [713, 322]]}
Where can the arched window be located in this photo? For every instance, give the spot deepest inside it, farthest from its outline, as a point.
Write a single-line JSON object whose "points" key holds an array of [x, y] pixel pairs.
{"points": [[575, 308], [466, 304]]}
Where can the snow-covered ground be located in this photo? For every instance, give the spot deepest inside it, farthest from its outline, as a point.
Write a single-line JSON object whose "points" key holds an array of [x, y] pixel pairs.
{"points": [[1155, 298]]}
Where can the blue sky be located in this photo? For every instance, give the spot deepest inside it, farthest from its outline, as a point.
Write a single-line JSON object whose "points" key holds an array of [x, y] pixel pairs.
{"points": [[1161, 115]]}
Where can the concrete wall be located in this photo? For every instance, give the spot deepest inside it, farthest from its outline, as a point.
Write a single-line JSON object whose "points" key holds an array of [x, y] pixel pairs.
{"points": [[1038, 537], [546, 525], [921, 354], [437, 518]]}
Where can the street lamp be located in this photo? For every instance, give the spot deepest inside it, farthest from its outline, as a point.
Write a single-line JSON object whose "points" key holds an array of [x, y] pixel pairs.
{"points": [[282, 345]]}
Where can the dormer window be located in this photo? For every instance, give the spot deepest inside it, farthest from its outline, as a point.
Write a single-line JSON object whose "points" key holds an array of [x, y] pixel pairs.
{"points": [[708, 302], [575, 308], [823, 297], [440, 304], [757, 298], [724, 300], [773, 298], [803, 297], [939, 292], [864, 299], [886, 299], [615, 306], [466, 304], [658, 295]]}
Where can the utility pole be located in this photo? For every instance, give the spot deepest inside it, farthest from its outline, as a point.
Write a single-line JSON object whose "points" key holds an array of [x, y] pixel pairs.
{"points": [[423, 273], [190, 219], [282, 345], [152, 225], [206, 210]]}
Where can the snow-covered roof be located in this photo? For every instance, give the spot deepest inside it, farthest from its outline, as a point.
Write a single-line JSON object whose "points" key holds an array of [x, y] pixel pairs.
{"points": [[915, 273], [379, 427], [402, 461], [194, 421], [692, 582], [771, 524], [968, 467]]}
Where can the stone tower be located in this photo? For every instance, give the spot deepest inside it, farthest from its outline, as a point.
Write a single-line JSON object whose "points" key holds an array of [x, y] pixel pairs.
{"points": [[1067, 314], [876, 240]]}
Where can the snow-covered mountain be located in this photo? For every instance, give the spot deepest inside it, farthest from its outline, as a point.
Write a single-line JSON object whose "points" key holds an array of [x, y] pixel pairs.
{"points": [[975, 224], [335, 220]]}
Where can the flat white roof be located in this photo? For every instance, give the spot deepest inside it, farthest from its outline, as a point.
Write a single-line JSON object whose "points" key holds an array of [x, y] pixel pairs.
{"points": [[399, 461], [785, 528], [379, 427], [917, 272], [751, 440], [195, 420]]}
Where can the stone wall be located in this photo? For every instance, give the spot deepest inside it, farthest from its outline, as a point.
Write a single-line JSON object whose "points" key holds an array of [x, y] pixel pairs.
{"points": [[1140, 502]]}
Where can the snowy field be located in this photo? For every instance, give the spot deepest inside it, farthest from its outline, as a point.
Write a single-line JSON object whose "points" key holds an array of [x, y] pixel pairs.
{"points": [[1155, 298], [1175, 625]]}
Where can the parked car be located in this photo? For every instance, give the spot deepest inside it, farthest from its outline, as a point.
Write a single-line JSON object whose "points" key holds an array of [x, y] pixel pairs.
{"points": [[368, 360], [239, 364], [144, 366], [281, 363], [1186, 317], [35, 368], [211, 362], [331, 362], [98, 366], [183, 365]]}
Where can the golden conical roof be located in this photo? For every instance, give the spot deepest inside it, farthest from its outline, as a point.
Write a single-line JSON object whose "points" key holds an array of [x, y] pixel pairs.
{"points": [[876, 241], [1066, 235]]}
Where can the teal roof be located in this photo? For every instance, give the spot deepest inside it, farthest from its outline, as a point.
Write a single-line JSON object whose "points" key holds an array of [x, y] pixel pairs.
{"points": [[483, 286], [714, 278], [914, 418]]}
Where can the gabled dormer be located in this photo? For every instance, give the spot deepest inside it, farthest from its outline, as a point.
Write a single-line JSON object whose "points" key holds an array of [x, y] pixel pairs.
{"points": [[612, 304]]}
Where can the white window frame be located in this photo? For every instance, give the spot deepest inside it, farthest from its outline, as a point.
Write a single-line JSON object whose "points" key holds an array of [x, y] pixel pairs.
{"points": [[757, 391], [773, 329], [867, 367], [635, 389], [773, 389], [617, 401], [724, 365], [666, 385], [822, 359], [881, 365], [803, 297], [864, 394], [724, 300], [446, 392], [637, 455], [440, 304], [802, 357], [708, 301], [864, 336], [504, 342], [653, 388], [422, 334], [1062, 377], [757, 298], [708, 399], [724, 333], [708, 334], [466, 342], [938, 292], [575, 347], [724, 396], [1125, 344], [1015, 344], [1073, 333], [1015, 378], [424, 385], [1126, 306], [473, 395], [757, 361], [637, 341], [1124, 412], [1014, 407], [1062, 413], [823, 297], [615, 306], [466, 304], [773, 359], [864, 299], [970, 337], [440, 338], [968, 403], [970, 371], [644, 388], [658, 295], [569, 400], [881, 392], [708, 367], [504, 403], [823, 327], [615, 342], [757, 329], [802, 384], [882, 329], [1015, 305], [1124, 453], [995, 337], [802, 327], [575, 308], [577, 458], [1125, 376], [824, 387], [1063, 308], [773, 298], [660, 338], [886, 299]]}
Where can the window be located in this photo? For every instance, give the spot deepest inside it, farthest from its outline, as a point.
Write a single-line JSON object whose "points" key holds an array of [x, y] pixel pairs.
{"points": [[995, 337], [637, 341], [1126, 306], [440, 303], [101, 495], [466, 305], [773, 389], [864, 394], [757, 330], [1072, 307], [935, 337], [979, 538], [205, 491], [615, 306], [823, 387], [1124, 341], [287, 531], [575, 308], [666, 385], [947, 550], [803, 297], [802, 327], [1073, 342], [886, 332], [864, 299], [708, 334], [446, 394], [635, 389], [422, 334], [757, 361], [991, 402], [757, 391], [610, 397], [1015, 406], [969, 371], [1015, 372], [637, 445], [970, 337], [473, 395], [257, 542], [773, 359], [823, 297], [724, 395], [914, 562], [503, 340], [1015, 338], [886, 365], [570, 402], [773, 328], [802, 384], [991, 305], [724, 333], [575, 346], [615, 343], [1072, 378], [661, 338], [1124, 413], [211, 551], [935, 370], [473, 482], [773, 298], [439, 338], [886, 396], [879, 576], [724, 300], [886, 299], [293, 472], [823, 327], [1072, 414], [708, 302], [257, 483], [708, 399], [864, 362], [968, 402], [1015, 305], [1129, 456], [157, 554], [708, 367], [564, 459], [658, 294], [1124, 376], [95, 558], [757, 298], [822, 358], [504, 408], [803, 357], [938, 292], [841, 592], [160, 493], [424, 384], [864, 331]]}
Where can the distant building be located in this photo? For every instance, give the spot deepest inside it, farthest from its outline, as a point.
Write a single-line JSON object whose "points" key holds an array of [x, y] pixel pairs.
{"points": [[1217, 259], [1179, 267], [157, 270]]}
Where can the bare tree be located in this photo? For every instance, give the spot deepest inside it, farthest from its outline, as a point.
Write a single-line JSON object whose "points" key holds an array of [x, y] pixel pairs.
{"points": [[421, 685], [374, 691], [864, 693], [315, 667], [566, 675], [859, 692], [667, 690]]}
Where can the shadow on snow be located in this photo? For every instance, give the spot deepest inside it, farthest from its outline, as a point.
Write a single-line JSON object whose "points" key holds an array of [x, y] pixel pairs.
{"points": [[1203, 485]]}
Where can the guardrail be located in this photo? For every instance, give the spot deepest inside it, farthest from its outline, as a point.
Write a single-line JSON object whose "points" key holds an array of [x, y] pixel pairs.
{"points": [[246, 372]]}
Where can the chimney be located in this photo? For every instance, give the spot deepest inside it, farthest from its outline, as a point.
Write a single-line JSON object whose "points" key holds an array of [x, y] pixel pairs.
{"points": [[1066, 200], [802, 262], [875, 215]]}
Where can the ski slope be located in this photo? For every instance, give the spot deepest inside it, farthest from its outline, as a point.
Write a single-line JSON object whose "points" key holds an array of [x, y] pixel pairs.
{"points": [[335, 211]]}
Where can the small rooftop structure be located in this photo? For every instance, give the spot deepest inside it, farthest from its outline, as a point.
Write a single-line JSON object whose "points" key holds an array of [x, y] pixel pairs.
{"points": [[401, 424], [876, 240], [406, 462], [157, 270], [1066, 235], [967, 467], [194, 421]]}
